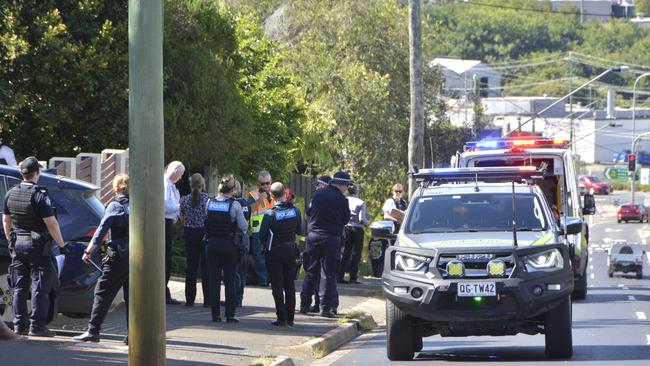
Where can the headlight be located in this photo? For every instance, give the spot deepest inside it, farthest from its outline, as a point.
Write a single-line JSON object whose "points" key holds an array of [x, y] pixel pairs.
{"points": [[550, 260], [410, 263]]}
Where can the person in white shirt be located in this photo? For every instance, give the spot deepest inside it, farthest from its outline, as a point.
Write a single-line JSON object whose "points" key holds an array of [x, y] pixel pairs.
{"points": [[173, 173], [7, 156], [353, 238], [395, 202]]}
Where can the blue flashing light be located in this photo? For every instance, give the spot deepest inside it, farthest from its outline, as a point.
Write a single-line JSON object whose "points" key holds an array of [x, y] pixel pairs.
{"points": [[488, 144]]}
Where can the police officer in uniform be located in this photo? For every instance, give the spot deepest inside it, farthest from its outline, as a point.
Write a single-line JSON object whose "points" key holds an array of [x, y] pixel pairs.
{"points": [[115, 271], [225, 225], [242, 267], [278, 234], [30, 227], [328, 213]]}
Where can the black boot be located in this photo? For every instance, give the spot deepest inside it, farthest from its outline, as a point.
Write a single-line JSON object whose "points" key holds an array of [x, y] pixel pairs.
{"points": [[87, 337]]}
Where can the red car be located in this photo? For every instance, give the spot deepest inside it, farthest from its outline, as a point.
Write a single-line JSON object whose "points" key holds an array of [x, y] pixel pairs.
{"points": [[594, 185], [633, 211]]}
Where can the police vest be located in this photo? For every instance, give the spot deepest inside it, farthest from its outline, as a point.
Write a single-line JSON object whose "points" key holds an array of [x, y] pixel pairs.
{"points": [[284, 224], [245, 209], [23, 216], [400, 204], [120, 225], [218, 223], [257, 213]]}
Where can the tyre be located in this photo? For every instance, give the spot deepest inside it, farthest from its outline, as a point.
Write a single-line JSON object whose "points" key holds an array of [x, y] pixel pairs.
{"points": [[399, 334], [580, 288], [611, 274], [557, 329], [639, 273], [417, 343], [619, 221]]}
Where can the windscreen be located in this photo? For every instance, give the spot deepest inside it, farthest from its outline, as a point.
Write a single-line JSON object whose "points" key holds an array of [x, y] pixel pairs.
{"points": [[474, 212], [594, 179]]}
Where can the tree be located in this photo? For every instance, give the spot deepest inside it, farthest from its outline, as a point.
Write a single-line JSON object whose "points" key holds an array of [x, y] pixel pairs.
{"points": [[416, 132]]}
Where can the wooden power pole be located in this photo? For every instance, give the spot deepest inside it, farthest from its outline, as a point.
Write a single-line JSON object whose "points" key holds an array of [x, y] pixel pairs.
{"points": [[416, 132], [146, 219]]}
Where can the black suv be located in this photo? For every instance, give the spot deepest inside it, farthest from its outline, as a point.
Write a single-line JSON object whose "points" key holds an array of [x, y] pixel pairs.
{"points": [[78, 211]]}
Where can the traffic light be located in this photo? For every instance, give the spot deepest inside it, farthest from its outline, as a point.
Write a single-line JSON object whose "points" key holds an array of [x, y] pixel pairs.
{"points": [[631, 162]]}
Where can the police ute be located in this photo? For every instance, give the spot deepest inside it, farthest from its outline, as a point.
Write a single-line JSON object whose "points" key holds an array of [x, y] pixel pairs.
{"points": [[480, 252], [560, 185]]}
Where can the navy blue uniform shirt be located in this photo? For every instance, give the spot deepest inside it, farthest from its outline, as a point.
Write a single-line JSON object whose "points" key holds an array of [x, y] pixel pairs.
{"points": [[328, 211], [268, 218], [113, 210], [40, 201]]}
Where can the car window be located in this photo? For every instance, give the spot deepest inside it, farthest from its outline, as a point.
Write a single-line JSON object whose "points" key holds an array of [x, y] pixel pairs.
{"points": [[594, 179], [626, 250], [475, 212], [3, 192]]}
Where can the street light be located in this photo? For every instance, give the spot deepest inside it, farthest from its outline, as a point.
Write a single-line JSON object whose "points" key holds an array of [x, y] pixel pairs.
{"points": [[611, 69], [634, 103]]}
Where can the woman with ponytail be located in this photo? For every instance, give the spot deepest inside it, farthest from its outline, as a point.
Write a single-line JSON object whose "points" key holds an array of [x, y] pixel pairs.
{"points": [[193, 215]]}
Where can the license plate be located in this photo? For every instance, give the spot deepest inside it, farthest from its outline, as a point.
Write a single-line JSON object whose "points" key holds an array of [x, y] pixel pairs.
{"points": [[471, 289]]}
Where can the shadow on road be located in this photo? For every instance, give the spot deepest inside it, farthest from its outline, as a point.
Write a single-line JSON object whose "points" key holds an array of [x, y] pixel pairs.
{"points": [[518, 354]]}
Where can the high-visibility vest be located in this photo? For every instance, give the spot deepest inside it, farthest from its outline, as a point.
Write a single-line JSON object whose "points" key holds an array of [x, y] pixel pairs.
{"points": [[258, 211]]}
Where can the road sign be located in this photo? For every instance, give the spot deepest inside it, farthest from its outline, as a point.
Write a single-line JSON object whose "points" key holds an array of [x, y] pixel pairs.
{"points": [[616, 173]]}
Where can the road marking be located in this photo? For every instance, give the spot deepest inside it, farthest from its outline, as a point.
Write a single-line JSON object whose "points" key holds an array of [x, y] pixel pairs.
{"points": [[640, 315], [644, 241], [621, 285], [591, 276], [631, 298], [610, 230], [591, 259], [591, 267], [648, 339]]}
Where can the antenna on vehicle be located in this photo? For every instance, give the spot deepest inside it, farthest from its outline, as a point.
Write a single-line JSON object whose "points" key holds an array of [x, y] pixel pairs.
{"points": [[476, 188], [514, 217]]}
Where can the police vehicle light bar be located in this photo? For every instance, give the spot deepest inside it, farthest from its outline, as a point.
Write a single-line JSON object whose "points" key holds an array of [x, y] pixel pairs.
{"points": [[483, 174], [494, 144]]}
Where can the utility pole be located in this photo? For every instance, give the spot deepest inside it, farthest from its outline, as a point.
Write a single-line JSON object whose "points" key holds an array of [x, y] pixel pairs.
{"points": [[571, 122], [146, 220], [416, 132], [582, 11]]}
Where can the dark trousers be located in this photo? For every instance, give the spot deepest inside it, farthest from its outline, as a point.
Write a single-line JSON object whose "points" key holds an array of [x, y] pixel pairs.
{"points": [[195, 258], [38, 270], [353, 246], [306, 299], [281, 266], [169, 238], [322, 249], [115, 275], [258, 256], [222, 257], [242, 272]]}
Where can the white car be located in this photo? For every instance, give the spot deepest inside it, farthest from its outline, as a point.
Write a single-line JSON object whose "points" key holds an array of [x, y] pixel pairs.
{"points": [[626, 258]]}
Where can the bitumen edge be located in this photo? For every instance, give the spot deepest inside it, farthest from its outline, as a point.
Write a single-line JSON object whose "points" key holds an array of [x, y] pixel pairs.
{"points": [[282, 361], [332, 340]]}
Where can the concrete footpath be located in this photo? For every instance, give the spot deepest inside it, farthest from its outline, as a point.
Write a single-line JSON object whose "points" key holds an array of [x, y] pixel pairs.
{"points": [[192, 339]]}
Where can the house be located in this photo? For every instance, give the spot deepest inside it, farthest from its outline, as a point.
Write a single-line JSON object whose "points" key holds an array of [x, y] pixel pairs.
{"points": [[460, 75], [601, 10]]}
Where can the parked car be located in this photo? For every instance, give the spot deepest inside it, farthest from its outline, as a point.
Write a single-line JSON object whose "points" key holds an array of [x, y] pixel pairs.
{"points": [[632, 212], [594, 185], [78, 211], [626, 258]]}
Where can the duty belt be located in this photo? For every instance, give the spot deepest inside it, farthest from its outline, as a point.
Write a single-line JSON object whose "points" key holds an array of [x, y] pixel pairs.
{"points": [[23, 238]]}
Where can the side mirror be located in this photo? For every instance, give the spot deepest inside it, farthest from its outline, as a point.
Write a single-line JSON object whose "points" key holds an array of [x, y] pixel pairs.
{"points": [[589, 206], [573, 225], [382, 229]]}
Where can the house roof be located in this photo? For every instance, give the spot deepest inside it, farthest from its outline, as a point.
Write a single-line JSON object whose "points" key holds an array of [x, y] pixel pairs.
{"points": [[456, 65]]}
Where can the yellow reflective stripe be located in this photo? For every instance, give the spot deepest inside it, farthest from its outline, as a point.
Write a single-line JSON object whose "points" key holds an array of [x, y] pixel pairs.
{"points": [[544, 239], [256, 219]]}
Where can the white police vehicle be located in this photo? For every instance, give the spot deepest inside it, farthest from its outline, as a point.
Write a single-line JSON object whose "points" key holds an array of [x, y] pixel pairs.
{"points": [[480, 253], [560, 185]]}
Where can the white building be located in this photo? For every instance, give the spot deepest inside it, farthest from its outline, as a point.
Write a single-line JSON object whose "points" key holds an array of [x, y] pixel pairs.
{"points": [[601, 10], [459, 76]]}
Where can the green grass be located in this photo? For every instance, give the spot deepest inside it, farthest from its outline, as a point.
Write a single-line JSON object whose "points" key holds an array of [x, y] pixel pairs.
{"points": [[366, 323], [263, 361]]}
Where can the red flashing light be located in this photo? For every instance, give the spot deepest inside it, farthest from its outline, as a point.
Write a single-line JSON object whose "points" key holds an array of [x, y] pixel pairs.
{"points": [[523, 142]]}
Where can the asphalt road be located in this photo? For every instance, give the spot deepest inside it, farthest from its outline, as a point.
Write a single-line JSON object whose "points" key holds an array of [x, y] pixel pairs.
{"points": [[610, 327]]}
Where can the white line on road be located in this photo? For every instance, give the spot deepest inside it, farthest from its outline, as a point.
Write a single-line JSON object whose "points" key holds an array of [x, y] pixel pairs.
{"points": [[644, 241], [591, 276], [640, 315], [591, 267], [648, 339], [631, 298], [591, 259]]}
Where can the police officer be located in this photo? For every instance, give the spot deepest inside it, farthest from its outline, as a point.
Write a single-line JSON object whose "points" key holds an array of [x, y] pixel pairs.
{"points": [[259, 201], [30, 226], [225, 227], [278, 234], [354, 236], [242, 267], [328, 213], [115, 269]]}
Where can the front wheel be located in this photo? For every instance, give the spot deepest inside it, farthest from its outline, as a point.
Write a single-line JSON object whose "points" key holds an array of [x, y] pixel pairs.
{"points": [[557, 329], [399, 334]]}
